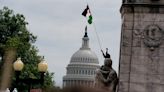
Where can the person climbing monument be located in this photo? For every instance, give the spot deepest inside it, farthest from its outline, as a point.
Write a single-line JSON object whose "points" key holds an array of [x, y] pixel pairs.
{"points": [[107, 55]]}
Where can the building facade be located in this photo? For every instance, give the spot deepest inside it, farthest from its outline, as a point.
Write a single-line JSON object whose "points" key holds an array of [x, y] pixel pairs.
{"points": [[82, 66], [141, 66]]}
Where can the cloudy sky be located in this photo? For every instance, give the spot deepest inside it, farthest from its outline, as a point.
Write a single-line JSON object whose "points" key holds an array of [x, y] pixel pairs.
{"points": [[60, 26]]}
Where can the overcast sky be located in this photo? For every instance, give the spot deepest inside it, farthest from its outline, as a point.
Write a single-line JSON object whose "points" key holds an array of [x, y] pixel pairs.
{"points": [[59, 26]]}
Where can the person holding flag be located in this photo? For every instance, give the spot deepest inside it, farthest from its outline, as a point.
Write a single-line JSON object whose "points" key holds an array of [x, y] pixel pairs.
{"points": [[87, 13]]}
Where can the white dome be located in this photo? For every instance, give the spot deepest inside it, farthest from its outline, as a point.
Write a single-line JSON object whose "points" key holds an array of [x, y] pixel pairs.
{"points": [[84, 56], [82, 67]]}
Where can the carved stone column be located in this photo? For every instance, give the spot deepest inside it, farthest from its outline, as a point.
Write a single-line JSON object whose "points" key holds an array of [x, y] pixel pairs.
{"points": [[141, 65]]}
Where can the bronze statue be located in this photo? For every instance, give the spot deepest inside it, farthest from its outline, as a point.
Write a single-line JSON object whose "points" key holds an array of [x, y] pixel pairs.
{"points": [[106, 77]]}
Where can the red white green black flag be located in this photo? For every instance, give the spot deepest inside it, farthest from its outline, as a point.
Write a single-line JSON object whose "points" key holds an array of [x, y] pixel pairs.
{"points": [[87, 13]]}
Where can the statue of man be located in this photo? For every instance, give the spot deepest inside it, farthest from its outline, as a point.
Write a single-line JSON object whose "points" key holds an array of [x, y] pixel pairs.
{"points": [[106, 77]]}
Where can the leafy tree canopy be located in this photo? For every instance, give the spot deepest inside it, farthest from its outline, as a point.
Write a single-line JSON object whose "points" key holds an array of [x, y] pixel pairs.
{"points": [[14, 34], [13, 31]]}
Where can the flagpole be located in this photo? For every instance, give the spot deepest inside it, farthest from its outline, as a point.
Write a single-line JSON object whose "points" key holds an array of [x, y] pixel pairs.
{"points": [[98, 38]]}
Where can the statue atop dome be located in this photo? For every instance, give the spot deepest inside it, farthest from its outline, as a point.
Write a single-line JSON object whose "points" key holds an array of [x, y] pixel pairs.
{"points": [[86, 34], [106, 76]]}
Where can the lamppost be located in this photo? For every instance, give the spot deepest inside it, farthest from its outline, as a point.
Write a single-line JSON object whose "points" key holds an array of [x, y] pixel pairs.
{"points": [[42, 68]]}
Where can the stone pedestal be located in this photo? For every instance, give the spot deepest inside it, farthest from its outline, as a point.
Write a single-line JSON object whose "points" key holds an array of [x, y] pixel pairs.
{"points": [[141, 66]]}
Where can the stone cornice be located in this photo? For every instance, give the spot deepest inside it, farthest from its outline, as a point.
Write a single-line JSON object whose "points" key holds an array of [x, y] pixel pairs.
{"points": [[141, 7]]}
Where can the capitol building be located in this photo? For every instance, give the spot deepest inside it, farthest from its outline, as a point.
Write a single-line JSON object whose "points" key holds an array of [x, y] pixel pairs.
{"points": [[82, 66]]}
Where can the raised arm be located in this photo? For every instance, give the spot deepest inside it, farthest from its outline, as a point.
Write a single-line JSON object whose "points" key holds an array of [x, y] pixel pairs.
{"points": [[103, 53]]}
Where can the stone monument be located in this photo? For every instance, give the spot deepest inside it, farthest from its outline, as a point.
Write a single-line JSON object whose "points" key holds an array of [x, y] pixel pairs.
{"points": [[141, 65], [106, 77]]}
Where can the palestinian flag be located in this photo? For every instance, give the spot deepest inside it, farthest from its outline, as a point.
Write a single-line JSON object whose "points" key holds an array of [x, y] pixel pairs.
{"points": [[87, 13]]}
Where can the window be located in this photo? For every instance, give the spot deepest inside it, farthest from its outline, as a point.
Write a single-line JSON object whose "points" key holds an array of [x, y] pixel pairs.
{"points": [[89, 72], [86, 72], [82, 71], [79, 71]]}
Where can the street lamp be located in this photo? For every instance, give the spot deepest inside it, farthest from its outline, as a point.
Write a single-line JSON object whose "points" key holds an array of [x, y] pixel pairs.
{"points": [[42, 68], [18, 65]]}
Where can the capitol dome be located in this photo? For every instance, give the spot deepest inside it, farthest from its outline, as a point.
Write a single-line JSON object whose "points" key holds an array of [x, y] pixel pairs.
{"points": [[82, 66], [84, 56]]}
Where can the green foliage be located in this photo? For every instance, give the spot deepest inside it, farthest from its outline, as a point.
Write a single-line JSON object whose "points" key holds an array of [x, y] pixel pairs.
{"points": [[48, 82], [14, 34], [13, 42]]}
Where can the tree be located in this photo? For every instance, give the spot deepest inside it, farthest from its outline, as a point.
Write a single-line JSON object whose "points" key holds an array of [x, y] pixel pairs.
{"points": [[14, 37]]}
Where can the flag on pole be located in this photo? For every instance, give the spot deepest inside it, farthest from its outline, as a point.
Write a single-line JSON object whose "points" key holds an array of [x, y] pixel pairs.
{"points": [[87, 13]]}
